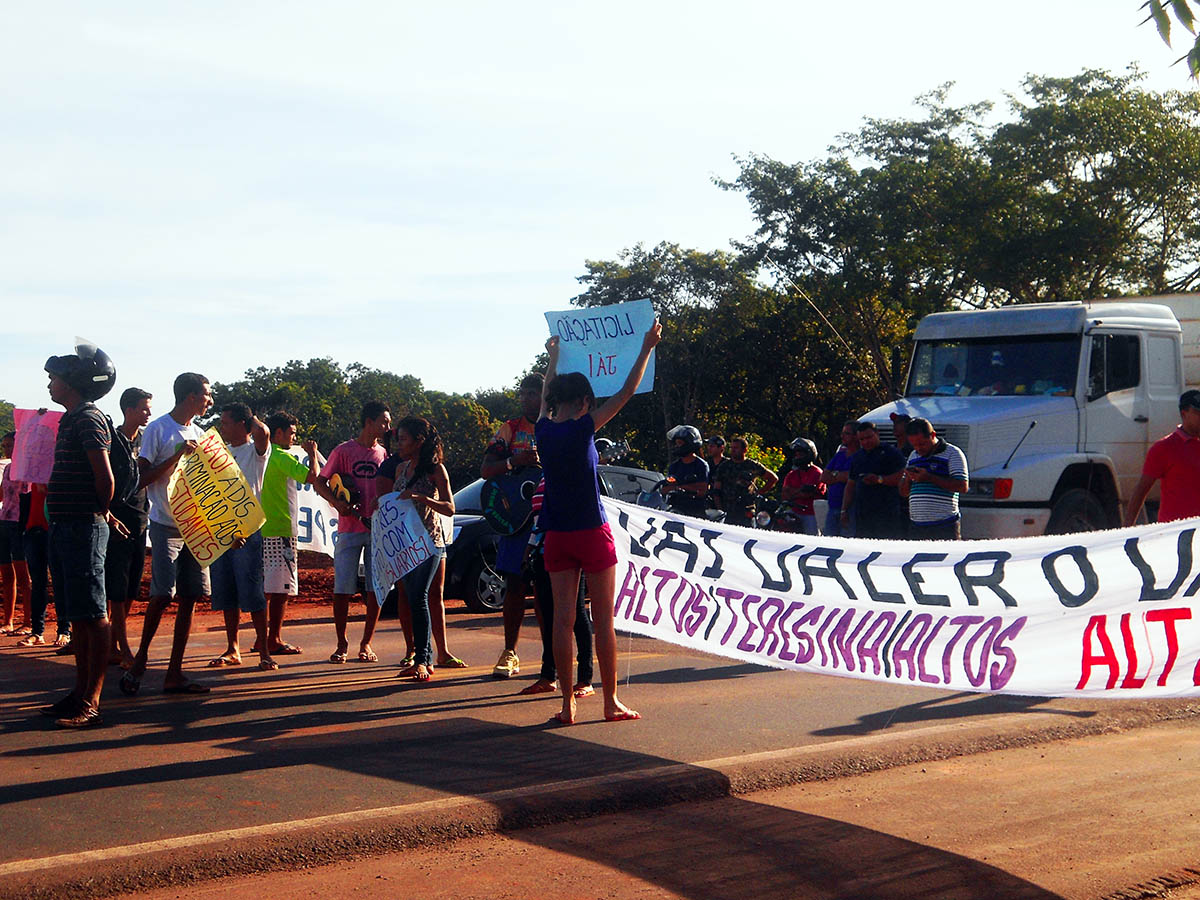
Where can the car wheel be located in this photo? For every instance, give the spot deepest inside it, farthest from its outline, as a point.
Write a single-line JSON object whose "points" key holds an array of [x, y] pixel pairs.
{"points": [[483, 586]]}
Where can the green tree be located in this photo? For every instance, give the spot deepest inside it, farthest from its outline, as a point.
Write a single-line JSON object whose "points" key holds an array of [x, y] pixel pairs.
{"points": [[6, 417], [1182, 10]]}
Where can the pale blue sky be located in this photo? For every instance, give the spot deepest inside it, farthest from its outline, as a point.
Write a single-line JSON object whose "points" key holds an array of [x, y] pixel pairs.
{"points": [[219, 186]]}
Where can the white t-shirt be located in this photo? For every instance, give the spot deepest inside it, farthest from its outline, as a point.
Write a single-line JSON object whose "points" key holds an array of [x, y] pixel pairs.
{"points": [[159, 440], [252, 465]]}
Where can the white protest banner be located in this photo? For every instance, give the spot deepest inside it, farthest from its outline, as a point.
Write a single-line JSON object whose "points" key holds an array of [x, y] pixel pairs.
{"points": [[399, 541], [1102, 614], [33, 447], [316, 523], [603, 343]]}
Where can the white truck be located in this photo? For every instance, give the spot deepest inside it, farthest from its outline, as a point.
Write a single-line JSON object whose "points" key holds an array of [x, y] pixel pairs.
{"points": [[1054, 404]]}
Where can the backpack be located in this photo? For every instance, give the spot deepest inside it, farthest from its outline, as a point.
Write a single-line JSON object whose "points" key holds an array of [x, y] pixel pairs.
{"points": [[124, 467]]}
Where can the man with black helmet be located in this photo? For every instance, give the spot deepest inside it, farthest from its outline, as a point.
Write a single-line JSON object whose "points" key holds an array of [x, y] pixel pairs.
{"points": [[78, 497], [802, 484], [688, 471]]}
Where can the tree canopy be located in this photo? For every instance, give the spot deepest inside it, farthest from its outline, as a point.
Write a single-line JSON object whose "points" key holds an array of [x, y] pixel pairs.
{"points": [[1160, 13]]}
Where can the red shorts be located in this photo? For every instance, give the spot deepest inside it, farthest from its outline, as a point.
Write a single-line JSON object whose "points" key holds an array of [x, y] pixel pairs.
{"points": [[591, 550]]}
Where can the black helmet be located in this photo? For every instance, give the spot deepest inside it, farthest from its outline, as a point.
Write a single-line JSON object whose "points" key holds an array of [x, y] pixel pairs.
{"points": [[804, 452], [689, 434], [89, 370]]}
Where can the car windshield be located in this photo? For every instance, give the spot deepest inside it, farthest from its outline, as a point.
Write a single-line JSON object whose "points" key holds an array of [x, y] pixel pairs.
{"points": [[466, 500], [1026, 364]]}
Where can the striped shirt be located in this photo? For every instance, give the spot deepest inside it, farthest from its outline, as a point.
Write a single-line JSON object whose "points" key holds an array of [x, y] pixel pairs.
{"points": [[929, 504], [71, 492]]}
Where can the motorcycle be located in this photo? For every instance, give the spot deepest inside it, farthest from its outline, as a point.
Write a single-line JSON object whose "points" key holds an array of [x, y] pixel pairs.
{"points": [[678, 501]]}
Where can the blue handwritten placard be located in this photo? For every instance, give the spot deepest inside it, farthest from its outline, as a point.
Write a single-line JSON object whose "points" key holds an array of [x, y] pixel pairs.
{"points": [[399, 542], [603, 343]]}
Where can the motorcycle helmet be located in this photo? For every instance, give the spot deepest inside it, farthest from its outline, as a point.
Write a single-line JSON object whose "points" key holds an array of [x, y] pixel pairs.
{"points": [[689, 434], [804, 453], [89, 370]]}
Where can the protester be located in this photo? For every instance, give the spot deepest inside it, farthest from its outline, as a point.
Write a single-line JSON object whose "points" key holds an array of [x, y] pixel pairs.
{"points": [[578, 538], [1175, 460], [689, 473], [35, 543], [14, 576], [802, 484], [281, 504], [125, 558], [543, 595], [872, 489], [936, 474], [740, 481], [78, 496], [904, 445], [418, 475], [715, 448], [355, 463], [514, 447], [237, 574], [175, 575], [835, 476]]}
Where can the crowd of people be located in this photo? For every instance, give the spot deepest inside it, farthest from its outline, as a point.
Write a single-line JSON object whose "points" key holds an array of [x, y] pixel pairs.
{"points": [[85, 531]]}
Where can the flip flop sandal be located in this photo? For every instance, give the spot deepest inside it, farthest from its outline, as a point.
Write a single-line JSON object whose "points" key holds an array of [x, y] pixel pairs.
{"points": [[538, 687], [557, 719], [627, 715], [268, 665], [285, 650], [367, 656], [408, 661], [224, 660], [454, 663], [337, 656], [582, 691], [422, 675], [188, 687], [130, 684]]}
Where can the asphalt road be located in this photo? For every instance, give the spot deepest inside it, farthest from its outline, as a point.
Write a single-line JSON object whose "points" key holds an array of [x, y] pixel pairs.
{"points": [[341, 754]]}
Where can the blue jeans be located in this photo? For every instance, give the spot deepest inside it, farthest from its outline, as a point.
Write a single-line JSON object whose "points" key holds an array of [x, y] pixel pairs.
{"points": [[237, 578], [36, 545], [833, 524], [416, 588], [77, 548]]}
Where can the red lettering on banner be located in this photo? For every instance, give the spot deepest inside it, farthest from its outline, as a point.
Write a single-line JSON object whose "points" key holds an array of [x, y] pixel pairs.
{"points": [[1169, 617], [1130, 680], [1107, 656]]}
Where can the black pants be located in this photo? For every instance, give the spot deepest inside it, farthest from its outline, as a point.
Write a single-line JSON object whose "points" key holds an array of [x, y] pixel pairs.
{"points": [[543, 596], [942, 531], [37, 558]]}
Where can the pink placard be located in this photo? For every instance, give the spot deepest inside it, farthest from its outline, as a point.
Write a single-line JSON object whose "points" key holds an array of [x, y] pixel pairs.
{"points": [[33, 452]]}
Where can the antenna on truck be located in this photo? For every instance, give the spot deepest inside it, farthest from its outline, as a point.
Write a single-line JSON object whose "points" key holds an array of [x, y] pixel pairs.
{"points": [[1032, 425]]}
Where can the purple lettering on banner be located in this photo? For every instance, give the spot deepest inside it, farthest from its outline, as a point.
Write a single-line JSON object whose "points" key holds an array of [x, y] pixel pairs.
{"points": [[637, 612], [921, 673], [883, 624], [728, 595], [841, 639], [807, 646], [628, 590], [744, 643], [821, 634], [664, 578], [901, 653], [769, 632], [781, 625], [1000, 674], [699, 612], [990, 628], [963, 623]]}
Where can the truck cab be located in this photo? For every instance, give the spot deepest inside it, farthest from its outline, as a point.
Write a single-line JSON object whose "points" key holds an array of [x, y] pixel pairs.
{"points": [[1053, 404]]}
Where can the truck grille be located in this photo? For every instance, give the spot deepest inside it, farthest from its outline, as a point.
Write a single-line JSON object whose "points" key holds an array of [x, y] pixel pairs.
{"points": [[958, 435]]}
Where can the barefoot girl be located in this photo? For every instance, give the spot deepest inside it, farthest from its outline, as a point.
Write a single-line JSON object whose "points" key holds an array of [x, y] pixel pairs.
{"points": [[577, 533], [421, 477]]}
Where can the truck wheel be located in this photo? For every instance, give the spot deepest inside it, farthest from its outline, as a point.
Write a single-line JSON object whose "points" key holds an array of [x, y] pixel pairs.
{"points": [[1077, 510]]}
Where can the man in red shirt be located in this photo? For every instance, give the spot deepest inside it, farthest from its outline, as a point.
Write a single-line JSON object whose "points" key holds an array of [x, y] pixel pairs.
{"points": [[1176, 460]]}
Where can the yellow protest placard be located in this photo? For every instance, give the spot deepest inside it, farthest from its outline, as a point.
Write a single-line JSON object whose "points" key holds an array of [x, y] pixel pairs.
{"points": [[211, 500]]}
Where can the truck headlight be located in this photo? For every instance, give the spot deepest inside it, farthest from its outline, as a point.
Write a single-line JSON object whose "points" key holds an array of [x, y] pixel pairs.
{"points": [[995, 488]]}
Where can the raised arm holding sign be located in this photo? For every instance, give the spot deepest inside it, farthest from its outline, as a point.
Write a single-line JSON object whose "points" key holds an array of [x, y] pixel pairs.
{"points": [[604, 343]]}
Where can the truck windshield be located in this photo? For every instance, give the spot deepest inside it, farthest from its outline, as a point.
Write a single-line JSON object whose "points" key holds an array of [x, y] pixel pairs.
{"points": [[1025, 364]]}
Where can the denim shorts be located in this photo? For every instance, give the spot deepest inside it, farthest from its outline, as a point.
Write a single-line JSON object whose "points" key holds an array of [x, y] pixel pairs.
{"points": [[237, 578], [10, 543], [350, 548], [173, 569], [77, 548], [510, 553]]}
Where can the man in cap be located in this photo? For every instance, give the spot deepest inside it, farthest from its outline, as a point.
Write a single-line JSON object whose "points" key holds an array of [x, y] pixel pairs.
{"points": [[1175, 459]]}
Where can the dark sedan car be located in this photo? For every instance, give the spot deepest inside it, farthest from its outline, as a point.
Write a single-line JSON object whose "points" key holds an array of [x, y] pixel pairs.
{"points": [[471, 559]]}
